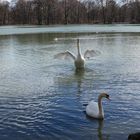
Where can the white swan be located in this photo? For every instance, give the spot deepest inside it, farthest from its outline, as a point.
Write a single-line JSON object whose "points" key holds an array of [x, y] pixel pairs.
{"points": [[79, 60], [94, 109]]}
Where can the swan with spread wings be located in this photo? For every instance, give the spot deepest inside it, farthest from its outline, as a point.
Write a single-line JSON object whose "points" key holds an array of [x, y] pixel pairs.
{"points": [[79, 60]]}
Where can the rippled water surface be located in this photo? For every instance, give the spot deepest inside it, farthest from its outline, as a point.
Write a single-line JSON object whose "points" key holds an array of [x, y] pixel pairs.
{"points": [[42, 98]]}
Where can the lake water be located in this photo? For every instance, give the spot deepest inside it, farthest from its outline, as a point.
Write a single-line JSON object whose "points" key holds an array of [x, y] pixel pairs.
{"points": [[42, 98]]}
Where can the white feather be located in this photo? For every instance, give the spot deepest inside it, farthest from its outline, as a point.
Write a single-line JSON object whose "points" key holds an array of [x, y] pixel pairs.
{"points": [[92, 109], [79, 60], [91, 53], [95, 109], [65, 56]]}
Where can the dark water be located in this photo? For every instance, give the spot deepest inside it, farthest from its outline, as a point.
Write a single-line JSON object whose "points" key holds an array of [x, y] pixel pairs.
{"points": [[42, 98]]}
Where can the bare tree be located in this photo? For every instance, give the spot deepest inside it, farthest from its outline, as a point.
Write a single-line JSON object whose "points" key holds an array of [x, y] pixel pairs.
{"points": [[4, 13], [111, 11], [69, 11]]}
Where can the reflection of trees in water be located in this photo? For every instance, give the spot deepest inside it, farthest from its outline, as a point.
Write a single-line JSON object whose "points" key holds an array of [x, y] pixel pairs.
{"points": [[41, 38]]}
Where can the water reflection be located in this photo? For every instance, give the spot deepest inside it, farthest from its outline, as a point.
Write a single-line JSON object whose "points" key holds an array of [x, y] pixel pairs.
{"points": [[71, 77], [101, 135], [79, 78], [100, 128], [79, 74]]}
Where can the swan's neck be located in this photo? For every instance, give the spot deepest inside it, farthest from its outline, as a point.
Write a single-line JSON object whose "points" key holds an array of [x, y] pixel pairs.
{"points": [[78, 48], [100, 106]]}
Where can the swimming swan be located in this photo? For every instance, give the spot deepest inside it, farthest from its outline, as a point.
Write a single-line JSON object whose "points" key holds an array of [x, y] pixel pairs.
{"points": [[94, 109], [79, 60]]}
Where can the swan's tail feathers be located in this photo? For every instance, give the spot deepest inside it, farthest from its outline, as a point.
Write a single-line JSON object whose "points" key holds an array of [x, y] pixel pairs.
{"points": [[85, 104], [91, 53], [65, 56]]}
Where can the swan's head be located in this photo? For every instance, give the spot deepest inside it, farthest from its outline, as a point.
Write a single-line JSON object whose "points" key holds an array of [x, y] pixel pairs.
{"points": [[77, 42], [104, 95], [107, 96]]}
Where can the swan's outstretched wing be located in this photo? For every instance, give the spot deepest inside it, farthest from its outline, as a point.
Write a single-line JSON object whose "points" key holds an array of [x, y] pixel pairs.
{"points": [[65, 55], [91, 53]]}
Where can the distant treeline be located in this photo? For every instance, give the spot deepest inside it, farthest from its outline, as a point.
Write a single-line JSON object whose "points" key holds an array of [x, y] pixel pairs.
{"points": [[45, 12]]}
